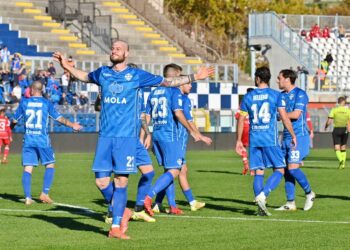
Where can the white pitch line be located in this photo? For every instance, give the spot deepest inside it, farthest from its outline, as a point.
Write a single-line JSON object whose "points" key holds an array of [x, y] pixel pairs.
{"points": [[87, 210], [252, 219], [188, 217]]}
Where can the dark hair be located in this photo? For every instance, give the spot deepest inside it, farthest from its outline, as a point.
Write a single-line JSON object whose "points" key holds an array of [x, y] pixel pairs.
{"points": [[171, 66], [341, 99], [288, 73], [249, 89], [264, 74]]}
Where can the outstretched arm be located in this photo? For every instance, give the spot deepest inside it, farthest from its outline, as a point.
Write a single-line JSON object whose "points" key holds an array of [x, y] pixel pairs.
{"points": [[79, 74], [74, 125], [202, 73]]}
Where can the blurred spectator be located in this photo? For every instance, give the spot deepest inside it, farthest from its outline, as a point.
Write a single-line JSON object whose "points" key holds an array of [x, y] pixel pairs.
{"points": [[65, 82], [97, 105], [341, 31], [22, 77], [75, 99], [83, 99], [27, 93], [64, 99], [5, 59], [315, 31], [326, 32], [16, 94], [51, 69]]}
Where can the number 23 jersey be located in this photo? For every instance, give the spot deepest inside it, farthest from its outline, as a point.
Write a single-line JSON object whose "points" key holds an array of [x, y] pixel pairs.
{"points": [[36, 112], [262, 107]]}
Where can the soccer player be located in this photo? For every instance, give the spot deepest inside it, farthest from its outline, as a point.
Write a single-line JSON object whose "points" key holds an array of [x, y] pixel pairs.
{"points": [[245, 140], [341, 117], [262, 105], [172, 70], [36, 111], [5, 135], [165, 107], [296, 106], [118, 147]]}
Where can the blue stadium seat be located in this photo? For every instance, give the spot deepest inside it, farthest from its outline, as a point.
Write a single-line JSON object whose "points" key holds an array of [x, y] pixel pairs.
{"points": [[20, 45]]}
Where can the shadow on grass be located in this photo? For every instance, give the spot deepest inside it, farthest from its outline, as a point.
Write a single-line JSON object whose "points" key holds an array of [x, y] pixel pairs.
{"points": [[12, 197], [66, 223], [330, 196], [217, 207], [325, 168], [218, 172]]}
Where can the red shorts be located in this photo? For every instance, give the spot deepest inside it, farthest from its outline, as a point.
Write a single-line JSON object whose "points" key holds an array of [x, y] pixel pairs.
{"points": [[4, 141]]}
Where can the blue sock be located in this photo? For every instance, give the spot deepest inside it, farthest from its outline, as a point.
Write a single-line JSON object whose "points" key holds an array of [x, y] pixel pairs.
{"points": [[272, 182], [258, 184], [299, 175], [289, 186], [144, 186], [48, 179], [188, 194], [27, 184], [163, 182], [108, 192], [120, 197], [170, 194], [160, 196]]}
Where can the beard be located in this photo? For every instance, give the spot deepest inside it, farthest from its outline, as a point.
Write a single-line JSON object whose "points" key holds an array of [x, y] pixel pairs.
{"points": [[117, 60]]}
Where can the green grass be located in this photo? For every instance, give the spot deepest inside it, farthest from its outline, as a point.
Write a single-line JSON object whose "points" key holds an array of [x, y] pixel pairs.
{"points": [[215, 178]]}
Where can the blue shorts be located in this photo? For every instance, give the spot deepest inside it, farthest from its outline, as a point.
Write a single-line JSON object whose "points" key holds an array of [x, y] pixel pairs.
{"points": [[32, 155], [116, 155], [142, 156], [302, 150], [169, 154], [266, 157]]}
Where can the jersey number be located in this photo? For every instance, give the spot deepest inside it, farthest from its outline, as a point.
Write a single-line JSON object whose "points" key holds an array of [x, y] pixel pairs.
{"points": [[130, 162], [262, 114], [31, 114], [2, 126], [162, 104]]}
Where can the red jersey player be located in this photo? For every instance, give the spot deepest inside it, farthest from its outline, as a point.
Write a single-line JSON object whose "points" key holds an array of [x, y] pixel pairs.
{"points": [[245, 139], [5, 135]]}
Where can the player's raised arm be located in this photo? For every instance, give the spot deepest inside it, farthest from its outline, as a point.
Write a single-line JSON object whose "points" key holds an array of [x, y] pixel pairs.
{"points": [[177, 81], [79, 74]]}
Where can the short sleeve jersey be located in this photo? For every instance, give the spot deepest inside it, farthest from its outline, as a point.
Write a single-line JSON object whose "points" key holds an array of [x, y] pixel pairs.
{"points": [[36, 112], [161, 105], [120, 98], [340, 115], [296, 99], [262, 107]]}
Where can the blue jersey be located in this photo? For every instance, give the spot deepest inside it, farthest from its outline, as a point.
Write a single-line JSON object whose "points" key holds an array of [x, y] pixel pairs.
{"points": [[161, 105], [187, 108], [296, 99], [36, 112], [262, 107], [120, 98]]}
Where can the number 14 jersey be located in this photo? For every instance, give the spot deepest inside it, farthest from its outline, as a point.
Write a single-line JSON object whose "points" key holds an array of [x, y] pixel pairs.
{"points": [[262, 107]]}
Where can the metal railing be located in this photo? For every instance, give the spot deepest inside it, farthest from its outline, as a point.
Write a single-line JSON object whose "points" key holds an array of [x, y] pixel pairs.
{"points": [[168, 29], [95, 29], [271, 25], [305, 22]]}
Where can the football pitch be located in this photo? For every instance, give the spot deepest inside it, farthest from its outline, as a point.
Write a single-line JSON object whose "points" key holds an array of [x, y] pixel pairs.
{"points": [[228, 221]]}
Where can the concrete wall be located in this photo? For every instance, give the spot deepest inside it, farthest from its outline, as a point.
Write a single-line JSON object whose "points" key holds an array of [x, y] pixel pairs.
{"points": [[75, 143]]}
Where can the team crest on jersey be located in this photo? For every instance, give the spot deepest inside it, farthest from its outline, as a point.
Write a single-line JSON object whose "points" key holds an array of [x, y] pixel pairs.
{"points": [[291, 97], [128, 76], [115, 88], [179, 161]]}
